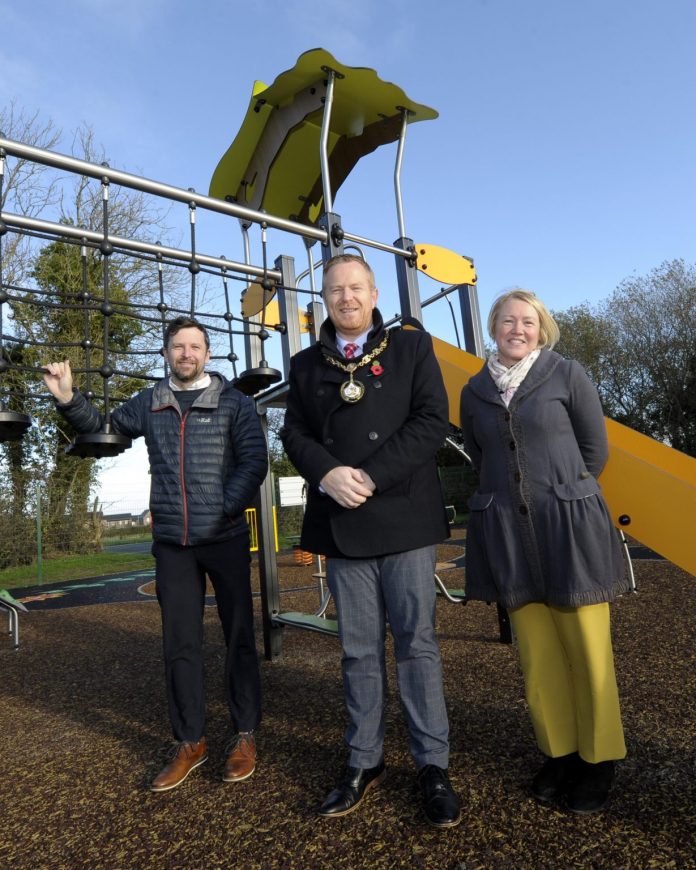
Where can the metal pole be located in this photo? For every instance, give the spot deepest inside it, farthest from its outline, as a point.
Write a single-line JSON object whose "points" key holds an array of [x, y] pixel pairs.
{"points": [[406, 273], [107, 250], [324, 140], [407, 280], [158, 250], [40, 226], [629, 561], [268, 565], [397, 173], [290, 341], [315, 310], [379, 246], [194, 268], [332, 243], [471, 320], [252, 343], [39, 541], [135, 182]]}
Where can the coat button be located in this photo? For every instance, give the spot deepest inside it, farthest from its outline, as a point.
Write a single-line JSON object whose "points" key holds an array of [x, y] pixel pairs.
{"points": [[524, 510], [507, 416], [518, 477], [328, 441], [584, 475], [373, 436], [512, 445]]}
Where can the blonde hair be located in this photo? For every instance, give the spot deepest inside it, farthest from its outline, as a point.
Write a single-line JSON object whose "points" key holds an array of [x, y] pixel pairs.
{"points": [[549, 333], [347, 258]]}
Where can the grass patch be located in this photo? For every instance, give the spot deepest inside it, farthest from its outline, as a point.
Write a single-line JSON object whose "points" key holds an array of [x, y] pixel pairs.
{"points": [[75, 568], [112, 540]]}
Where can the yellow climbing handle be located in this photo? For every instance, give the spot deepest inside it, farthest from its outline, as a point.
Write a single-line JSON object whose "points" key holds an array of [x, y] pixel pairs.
{"points": [[444, 265]]}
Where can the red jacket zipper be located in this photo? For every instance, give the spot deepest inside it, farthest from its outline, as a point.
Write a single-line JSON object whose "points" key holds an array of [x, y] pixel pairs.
{"points": [[182, 426]]}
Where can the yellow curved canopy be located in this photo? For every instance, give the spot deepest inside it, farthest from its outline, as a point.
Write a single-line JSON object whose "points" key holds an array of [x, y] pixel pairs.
{"points": [[274, 163]]}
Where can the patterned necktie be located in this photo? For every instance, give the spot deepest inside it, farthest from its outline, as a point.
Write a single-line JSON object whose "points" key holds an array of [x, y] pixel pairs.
{"points": [[350, 350]]}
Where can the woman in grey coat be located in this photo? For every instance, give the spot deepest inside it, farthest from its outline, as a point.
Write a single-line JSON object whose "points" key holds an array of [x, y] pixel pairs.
{"points": [[542, 544]]}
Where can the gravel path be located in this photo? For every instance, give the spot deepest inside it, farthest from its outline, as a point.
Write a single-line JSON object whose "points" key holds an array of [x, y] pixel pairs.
{"points": [[83, 708]]}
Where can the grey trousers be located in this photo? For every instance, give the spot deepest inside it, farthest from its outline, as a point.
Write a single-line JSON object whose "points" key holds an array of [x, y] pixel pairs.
{"points": [[367, 592]]}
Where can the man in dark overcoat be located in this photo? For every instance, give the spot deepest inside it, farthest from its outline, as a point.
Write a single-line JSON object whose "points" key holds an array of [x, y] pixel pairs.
{"points": [[366, 413]]}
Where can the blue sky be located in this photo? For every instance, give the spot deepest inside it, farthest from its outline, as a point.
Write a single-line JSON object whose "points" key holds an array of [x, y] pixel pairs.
{"points": [[563, 158]]}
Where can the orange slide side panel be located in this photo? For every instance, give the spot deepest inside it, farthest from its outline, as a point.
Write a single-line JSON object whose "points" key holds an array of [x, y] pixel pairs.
{"points": [[644, 480]]}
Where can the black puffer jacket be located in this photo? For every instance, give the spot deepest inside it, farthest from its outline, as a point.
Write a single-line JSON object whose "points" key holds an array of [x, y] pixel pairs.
{"points": [[205, 466]]}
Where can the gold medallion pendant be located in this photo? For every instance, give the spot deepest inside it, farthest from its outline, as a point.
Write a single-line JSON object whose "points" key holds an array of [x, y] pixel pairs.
{"points": [[352, 391]]}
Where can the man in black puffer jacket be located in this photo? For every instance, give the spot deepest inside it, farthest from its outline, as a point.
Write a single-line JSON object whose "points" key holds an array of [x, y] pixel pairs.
{"points": [[208, 458]]}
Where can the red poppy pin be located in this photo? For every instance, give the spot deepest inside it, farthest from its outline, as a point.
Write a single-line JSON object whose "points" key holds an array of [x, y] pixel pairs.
{"points": [[376, 368]]}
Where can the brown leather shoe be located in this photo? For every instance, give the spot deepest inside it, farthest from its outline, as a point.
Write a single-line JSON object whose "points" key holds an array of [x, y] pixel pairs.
{"points": [[186, 757], [241, 760]]}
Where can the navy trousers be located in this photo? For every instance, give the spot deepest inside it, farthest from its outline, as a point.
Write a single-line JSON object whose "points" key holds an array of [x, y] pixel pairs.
{"points": [[180, 580], [401, 589]]}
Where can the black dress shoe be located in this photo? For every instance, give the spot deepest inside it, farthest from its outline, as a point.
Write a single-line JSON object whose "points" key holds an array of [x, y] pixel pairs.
{"points": [[441, 804], [348, 794], [590, 791], [555, 776]]}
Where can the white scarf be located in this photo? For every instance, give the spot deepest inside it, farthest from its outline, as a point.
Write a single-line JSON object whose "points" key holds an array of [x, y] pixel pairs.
{"points": [[507, 379], [200, 384]]}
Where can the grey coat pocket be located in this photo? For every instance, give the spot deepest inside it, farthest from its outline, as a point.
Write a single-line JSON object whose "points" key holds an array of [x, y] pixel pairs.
{"points": [[577, 489]]}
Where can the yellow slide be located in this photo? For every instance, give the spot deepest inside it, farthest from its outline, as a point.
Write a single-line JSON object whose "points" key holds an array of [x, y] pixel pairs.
{"points": [[645, 482]]}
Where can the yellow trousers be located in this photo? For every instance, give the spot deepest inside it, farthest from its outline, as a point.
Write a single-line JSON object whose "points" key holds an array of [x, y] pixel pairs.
{"points": [[570, 684]]}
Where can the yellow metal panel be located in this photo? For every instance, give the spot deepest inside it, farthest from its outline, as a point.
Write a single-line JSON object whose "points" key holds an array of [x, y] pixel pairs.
{"points": [[306, 321], [252, 303], [253, 298], [294, 169], [250, 514], [273, 162], [444, 265], [644, 480], [272, 313], [230, 170]]}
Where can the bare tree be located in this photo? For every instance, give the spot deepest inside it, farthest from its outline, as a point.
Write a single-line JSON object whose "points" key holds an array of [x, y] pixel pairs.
{"points": [[29, 188], [639, 347]]}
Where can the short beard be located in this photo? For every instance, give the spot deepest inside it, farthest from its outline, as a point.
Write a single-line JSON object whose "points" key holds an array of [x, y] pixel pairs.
{"points": [[187, 379]]}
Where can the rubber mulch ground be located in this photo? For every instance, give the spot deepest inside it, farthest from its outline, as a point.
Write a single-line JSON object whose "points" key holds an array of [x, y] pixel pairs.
{"points": [[85, 725]]}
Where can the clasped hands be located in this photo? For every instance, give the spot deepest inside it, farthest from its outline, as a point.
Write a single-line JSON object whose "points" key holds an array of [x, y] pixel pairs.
{"points": [[350, 487]]}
